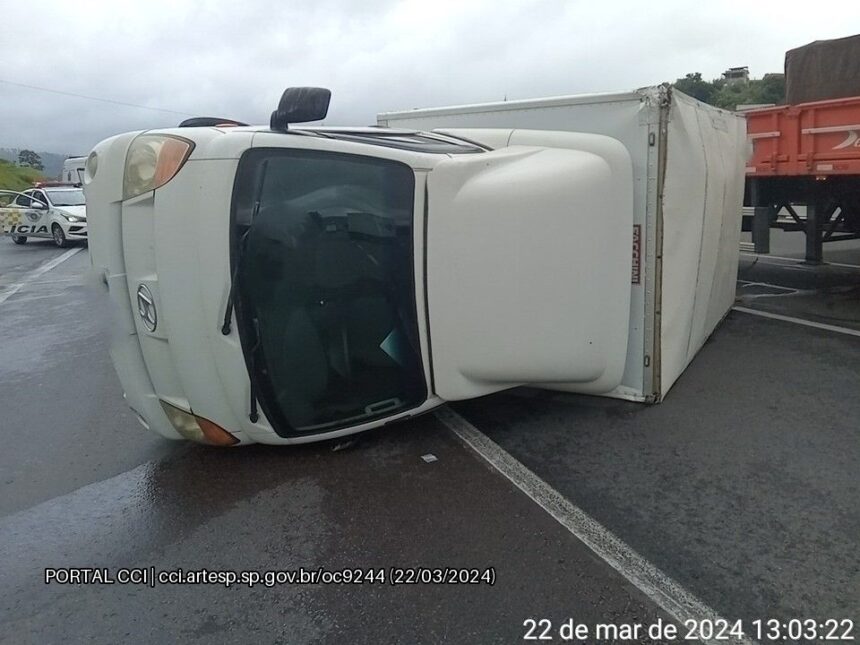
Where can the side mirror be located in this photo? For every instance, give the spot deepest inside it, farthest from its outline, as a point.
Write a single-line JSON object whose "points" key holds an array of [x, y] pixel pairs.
{"points": [[39, 206], [300, 104]]}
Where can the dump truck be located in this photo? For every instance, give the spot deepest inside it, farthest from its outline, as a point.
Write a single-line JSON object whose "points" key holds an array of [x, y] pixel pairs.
{"points": [[283, 284]]}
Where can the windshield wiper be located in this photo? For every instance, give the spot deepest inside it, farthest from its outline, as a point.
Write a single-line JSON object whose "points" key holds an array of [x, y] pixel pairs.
{"points": [[225, 329], [252, 415], [240, 248], [226, 326], [228, 318]]}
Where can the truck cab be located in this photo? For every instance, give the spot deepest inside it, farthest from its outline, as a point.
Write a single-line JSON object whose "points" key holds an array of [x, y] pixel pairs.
{"points": [[283, 284], [73, 170]]}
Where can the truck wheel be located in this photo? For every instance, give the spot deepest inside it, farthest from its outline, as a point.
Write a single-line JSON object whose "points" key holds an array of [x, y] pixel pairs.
{"points": [[59, 236], [19, 239]]}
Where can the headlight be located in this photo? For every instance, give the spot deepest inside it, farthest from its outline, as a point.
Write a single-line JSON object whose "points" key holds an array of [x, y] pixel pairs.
{"points": [[152, 161], [71, 218], [197, 428]]}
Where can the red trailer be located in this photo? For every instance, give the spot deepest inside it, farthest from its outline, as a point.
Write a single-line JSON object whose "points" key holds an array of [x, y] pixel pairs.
{"points": [[808, 153], [820, 139]]}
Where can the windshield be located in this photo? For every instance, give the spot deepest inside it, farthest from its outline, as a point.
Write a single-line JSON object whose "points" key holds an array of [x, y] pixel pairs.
{"points": [[67, 197], [326, 306]]}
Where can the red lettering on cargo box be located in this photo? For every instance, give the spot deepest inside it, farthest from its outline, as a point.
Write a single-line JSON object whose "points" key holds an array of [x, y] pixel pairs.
{"points": [[637, 254]]}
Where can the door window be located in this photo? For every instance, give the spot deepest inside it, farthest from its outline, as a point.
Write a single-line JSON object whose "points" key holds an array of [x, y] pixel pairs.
{"points": [[24, 199]]}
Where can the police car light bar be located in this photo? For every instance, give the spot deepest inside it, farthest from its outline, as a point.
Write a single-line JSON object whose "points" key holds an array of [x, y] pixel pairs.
{"points": [[55, 184]]}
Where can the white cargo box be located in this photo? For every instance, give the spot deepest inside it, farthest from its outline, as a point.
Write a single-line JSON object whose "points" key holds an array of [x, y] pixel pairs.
{"points": [[688, 175]]}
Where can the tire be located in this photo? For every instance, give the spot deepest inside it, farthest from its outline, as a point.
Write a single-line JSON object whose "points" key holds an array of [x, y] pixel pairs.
{"points": [[59, 237], [19, 239]]}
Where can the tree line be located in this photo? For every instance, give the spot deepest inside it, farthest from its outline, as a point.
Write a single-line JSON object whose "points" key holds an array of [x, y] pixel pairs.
{"points": [[719, 92], [30, 159]]}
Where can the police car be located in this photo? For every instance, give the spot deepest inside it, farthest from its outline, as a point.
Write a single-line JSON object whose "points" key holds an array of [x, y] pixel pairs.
{"points": [[49, 210], [283, 285]]}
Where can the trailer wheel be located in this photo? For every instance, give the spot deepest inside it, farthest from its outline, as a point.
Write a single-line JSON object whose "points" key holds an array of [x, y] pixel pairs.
{"points": [[19, 239]]}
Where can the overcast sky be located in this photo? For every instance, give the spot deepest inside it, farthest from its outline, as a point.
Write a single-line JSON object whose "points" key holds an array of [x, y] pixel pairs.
{"points": [[233, 59]]}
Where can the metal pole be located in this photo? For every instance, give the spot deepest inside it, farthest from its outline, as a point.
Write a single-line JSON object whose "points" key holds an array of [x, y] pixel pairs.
{"points": [[761, 217], [761, 228], [815, 217]]}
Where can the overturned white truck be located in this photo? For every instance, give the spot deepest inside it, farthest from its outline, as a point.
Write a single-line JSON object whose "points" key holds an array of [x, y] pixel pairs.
{"points": [[284, 285]]}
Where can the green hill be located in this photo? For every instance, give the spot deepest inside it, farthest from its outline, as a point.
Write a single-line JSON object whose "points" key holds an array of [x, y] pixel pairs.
{"points": [[14, 177]]}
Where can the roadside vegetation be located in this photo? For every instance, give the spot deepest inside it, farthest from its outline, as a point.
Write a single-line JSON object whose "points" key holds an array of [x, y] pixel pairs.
{"points": [[769, 89], [14, 177]]}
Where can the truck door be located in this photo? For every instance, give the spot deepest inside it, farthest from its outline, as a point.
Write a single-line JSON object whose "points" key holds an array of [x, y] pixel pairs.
{"points": [[11, 215], [528, 266], [38, 214], [19, 218]]}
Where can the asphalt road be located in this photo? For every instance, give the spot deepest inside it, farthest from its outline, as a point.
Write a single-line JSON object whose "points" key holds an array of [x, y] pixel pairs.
{"points": [[62, 406], [742, 486], [748, 497], [84, 485]]}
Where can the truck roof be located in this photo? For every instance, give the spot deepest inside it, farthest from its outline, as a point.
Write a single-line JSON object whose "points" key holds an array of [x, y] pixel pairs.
{"points": [[400, 138], [403, 139]]}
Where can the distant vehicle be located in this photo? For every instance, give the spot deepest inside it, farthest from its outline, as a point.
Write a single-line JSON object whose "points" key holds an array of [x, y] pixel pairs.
{"points": [[282, 284], [73, 170], [50, 211]]}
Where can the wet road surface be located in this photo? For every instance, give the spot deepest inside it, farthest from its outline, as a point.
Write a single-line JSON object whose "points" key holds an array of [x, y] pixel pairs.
{"points": [[63, 409], [742, 486], [84, 485], [748, 497]]}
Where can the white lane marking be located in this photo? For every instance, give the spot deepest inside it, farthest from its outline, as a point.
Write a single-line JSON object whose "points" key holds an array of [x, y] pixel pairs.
{"points": [[28, 298], [782, 292], [749, 283], [765, 258], [72, 278], [798, 321], [670, 596], [35, 273]]}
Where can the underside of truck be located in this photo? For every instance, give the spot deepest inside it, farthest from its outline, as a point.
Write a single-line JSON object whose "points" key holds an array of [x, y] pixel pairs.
{"points": [[832, 210]]}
